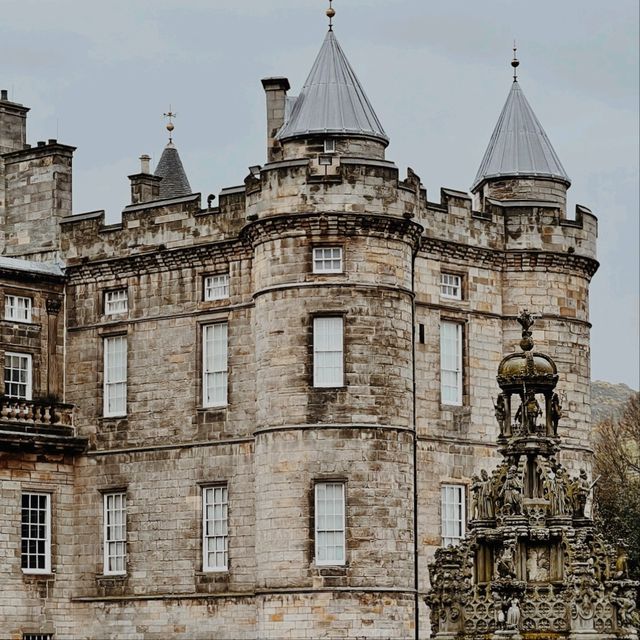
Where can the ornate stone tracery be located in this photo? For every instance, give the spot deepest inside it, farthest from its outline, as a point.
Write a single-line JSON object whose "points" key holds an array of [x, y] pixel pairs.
{"points": [[533, 564]]}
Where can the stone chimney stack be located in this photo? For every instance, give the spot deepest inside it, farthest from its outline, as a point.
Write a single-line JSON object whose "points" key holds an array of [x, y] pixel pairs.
{"points": [[13, 124], [145, 187], [276, 92]]}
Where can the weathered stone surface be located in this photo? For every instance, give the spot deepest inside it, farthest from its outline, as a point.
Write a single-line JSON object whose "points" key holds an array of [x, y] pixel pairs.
{"points": [[385, 432]]}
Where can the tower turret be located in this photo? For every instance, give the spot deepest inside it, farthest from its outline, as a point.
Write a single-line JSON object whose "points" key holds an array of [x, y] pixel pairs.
{"points": [[332, 112], [174, 178], [520, 162]]}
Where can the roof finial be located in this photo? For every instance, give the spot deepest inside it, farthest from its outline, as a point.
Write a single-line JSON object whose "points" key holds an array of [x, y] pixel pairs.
{"points": [[170, 125], [515, 62], [331, 12]]}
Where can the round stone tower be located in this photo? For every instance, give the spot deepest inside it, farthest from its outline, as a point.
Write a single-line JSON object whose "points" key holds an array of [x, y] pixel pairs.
{"points": [[548, 259], [333, 293]]}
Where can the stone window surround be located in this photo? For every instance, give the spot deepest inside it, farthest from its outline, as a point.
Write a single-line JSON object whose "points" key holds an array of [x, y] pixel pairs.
{"points": [[327, 245], [462, 521], [105, 543], [28, 307], [29, 488], [226, 285], [332, 569], [327, 314], [462, 322], [204, 487], [462, 289], [104, 338], [202, 329], [105, 301], [30, 373]]}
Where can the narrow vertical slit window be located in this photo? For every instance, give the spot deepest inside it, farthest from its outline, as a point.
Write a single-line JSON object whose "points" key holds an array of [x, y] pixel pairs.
{"points": [[328, 351], [17, 308], [215, 528], [452, 513], [115, 533], [36, 533], [330, 523], [215, 364], [115, 376], [17, 375], [451, 363]]}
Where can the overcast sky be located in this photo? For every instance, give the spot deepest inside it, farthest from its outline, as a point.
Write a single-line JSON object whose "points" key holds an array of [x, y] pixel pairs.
{"points": [[98, 75]]}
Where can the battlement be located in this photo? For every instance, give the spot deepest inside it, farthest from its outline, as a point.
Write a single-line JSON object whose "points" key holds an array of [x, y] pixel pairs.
{"points": [[172, 223], [349, 185]]}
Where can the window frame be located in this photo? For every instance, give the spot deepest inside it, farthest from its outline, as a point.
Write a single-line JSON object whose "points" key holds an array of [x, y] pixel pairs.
{"points": [[460, 521], [322, 248], [29, 384], [225, 286], [317, 531], [333, 384], [15, 308], [106, 555], [459, 371], [448, 296], [206, 402], [329, 145], [107, 383], [205, 537], [46, 570], [107, 302]]}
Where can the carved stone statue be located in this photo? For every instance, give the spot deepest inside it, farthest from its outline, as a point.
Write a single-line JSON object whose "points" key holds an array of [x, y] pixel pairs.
{"points": [[486, 496], [622, 561], [511, 492], [556, 413], [476, 493], [505, 566], [513, 615], [501, 413], [532, 413], [528, 413], [581, 488], [626, 607], [556, 493]]}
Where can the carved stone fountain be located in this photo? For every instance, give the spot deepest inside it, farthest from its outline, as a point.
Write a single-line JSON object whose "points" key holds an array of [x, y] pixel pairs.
{"points": [[533, 565]]}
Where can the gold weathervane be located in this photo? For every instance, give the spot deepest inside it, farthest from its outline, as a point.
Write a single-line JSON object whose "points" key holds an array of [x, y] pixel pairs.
{"points": [[170, 125], [331, 12], [515, 63]]}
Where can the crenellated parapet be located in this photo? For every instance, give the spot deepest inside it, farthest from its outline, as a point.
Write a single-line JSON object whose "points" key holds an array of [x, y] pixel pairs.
{"points": [[173, 223]]}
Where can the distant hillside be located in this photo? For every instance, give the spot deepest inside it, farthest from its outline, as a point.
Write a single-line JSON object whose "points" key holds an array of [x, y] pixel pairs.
{"points": [[607, 399]]}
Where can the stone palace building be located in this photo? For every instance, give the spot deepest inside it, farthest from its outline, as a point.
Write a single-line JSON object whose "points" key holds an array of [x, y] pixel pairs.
{"points": [[259, 419]]}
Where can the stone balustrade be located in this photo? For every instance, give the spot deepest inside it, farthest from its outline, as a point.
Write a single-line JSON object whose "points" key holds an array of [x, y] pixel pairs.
{"points": [[39, 412]]}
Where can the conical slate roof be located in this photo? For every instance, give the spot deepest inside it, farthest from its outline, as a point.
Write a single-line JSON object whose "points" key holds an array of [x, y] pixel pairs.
{"points": [[174, 181], [519, 146], [332, 100]]}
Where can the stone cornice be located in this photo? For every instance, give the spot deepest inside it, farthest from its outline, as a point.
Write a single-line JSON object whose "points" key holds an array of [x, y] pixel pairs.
{"points": [[511, 259], [157, 260], [332, 223]]}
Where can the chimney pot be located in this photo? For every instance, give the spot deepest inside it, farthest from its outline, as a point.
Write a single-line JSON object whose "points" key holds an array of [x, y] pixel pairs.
{"points": [[144, 164], [41, 143], [3, 95], [52, 141]]}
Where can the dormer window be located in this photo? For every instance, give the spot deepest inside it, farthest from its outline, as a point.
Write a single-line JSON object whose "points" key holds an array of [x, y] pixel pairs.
{"points": [[329, 145]]}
